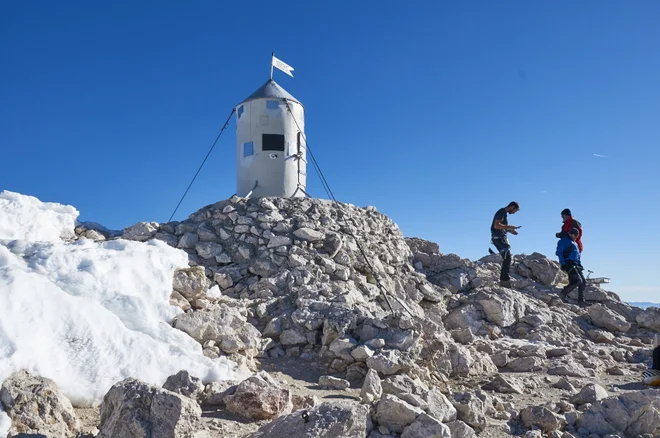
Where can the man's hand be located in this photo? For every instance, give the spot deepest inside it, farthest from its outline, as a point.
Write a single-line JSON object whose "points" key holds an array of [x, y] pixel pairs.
{"points": [[514, 232]]}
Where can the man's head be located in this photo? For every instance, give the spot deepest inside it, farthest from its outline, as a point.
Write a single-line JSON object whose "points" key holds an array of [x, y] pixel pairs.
{"points": [[573, 234], [566, 214], [512, 208]]}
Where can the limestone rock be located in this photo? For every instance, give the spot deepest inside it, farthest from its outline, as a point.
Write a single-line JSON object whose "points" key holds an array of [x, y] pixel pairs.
{"points": [[142, 231], [208, 250], [327, 420], [426, 427], [503, 310], [633, 414], [569, 368], [215, 392], [473, 408], [308, 234], [223, 324], [504, 385], [36, 406], [608, 319], [541, 417], [460, 429], [371, 388], [591, 393], [386, 362], [176, 299], [134, 409], [362, 353], [191, 282], [525, 364], [395, 414], [330, 382], [185, 384], [439, 406], [259, 398], [188, 241], [544, 270], [650, 318], [402, 384]]}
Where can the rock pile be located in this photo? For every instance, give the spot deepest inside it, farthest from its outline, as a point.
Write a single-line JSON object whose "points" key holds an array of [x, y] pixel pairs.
{"points": [[424, 344]]}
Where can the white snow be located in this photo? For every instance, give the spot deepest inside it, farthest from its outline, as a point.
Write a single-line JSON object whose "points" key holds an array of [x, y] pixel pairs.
{"points": [[5, 423], [88, 314], [26, 217]]}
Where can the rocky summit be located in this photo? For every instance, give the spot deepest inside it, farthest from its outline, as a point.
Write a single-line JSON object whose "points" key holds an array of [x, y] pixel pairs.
{"points": [[352, 330]]}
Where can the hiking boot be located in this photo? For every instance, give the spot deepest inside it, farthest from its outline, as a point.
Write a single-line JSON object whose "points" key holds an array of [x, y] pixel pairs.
{"points": [[505, 283]]}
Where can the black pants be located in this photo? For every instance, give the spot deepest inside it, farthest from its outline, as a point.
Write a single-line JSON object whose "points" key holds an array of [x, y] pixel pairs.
{"points": [[575, 279], [502, 245]]}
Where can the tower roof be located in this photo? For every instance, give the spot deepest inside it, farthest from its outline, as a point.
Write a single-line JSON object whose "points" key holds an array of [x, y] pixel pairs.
{"points": [[271, 90]]}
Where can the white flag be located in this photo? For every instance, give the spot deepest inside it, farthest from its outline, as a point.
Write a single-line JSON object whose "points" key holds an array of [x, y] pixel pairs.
{"points": [[286, 68]]}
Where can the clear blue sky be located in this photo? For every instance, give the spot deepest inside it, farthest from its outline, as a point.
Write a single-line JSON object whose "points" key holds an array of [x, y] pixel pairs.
{"points": [[437, 113]]}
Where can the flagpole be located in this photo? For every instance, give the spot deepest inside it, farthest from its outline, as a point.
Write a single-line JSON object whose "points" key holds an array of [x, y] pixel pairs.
{"points": [[272, 56]]}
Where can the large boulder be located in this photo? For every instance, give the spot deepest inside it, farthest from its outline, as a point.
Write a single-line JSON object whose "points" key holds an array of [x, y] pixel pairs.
{"points": [[259, 397], [632, 414], [650, 318], [603, 317], [223, 324], [502, 309], [591, 393], [371, 388], [439, 406], [542, 418], [473, 408], [37, 407], [327, 420], [542, 269], [426, 427], [190, 282], [460, 429], [134, 409], [395, 414]]}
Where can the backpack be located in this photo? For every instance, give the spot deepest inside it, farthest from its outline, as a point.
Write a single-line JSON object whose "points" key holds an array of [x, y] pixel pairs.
{"points": [[578, 225]]}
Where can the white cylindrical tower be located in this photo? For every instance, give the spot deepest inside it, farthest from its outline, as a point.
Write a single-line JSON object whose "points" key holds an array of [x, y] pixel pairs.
{"points": [[271, 155]]}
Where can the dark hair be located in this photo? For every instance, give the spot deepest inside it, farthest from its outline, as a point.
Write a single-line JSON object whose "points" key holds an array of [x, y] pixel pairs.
{"points": [[513, 204], [656, 358], [567, 212]]}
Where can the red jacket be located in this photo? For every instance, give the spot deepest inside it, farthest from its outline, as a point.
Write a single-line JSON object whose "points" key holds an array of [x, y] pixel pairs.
{"points": [[568, 225]]}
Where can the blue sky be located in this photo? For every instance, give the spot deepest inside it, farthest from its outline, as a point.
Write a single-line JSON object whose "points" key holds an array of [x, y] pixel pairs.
{"points": [[437, 113]]}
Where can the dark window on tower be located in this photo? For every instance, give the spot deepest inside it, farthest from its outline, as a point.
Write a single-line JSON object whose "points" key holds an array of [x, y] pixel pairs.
{"points": [[240, 111], [272, 142]]}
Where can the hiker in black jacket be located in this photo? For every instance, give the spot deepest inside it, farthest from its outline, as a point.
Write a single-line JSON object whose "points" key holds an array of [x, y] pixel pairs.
{"points": [[498, 230]]}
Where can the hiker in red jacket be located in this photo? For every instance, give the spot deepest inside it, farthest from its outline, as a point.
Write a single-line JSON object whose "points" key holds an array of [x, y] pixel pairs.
{"points": [[569, 223]]}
